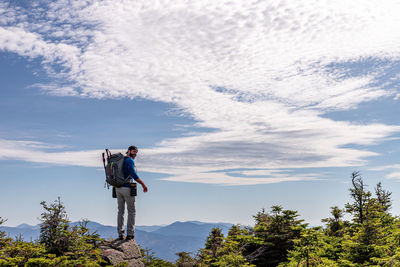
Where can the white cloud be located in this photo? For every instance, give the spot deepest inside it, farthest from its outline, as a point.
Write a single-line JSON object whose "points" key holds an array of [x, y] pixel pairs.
{"points": [[261, 73], [39, 152], [222, 178], [394, 170], [57, 90], [386, 167], [17, 40], [393, 175], [42, 153]]}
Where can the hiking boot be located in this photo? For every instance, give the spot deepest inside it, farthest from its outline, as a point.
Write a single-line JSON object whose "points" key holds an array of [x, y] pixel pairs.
{"points": [[130, 237], [121, 237]]}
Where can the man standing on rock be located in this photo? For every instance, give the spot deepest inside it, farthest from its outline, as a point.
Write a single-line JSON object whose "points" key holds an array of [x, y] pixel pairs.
{"points": [[126, 194]]}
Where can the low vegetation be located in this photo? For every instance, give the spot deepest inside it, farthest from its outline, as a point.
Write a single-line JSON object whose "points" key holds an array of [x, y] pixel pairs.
{"points": [[59, 243], [279, 238]]}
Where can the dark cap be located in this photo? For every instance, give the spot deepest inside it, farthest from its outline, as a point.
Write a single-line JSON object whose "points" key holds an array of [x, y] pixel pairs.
{"points": [[132, 148]]}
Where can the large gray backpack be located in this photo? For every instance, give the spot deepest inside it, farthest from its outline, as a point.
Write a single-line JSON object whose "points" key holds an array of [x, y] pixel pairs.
{"points": [[114, 169]]}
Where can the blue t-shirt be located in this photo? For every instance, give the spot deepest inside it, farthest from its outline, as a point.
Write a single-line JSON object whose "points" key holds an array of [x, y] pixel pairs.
{"points": [[129, 169]]}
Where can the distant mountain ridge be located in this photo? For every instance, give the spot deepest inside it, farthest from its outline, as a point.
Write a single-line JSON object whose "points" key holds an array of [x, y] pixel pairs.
{"points": [[163, 240], [27, 226], [190, 228]]}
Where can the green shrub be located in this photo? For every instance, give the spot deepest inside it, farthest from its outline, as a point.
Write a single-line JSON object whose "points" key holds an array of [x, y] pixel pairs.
{"points": [[59, 244]]}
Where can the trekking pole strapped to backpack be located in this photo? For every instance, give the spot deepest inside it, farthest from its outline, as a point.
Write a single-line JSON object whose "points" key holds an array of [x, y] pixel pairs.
{"points": [[104, 164]]}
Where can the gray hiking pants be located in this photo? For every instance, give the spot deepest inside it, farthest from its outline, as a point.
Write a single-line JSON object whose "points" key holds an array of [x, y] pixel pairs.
{"points": [[124, 196]]}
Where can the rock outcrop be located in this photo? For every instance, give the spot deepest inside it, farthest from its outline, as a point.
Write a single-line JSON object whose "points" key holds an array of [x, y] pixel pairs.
{"points": [[122, 251]]}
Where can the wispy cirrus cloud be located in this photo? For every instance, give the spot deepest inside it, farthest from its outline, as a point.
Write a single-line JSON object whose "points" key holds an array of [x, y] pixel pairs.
{"points": [[394, 170], [261, 74], [393, 175], [386, 167], [40, 152]]}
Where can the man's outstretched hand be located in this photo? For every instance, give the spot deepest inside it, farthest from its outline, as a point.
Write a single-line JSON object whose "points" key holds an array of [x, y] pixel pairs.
{"points": [[143, 185]]}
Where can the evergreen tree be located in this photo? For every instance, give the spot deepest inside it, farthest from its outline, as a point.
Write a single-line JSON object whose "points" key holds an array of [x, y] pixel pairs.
{"points": [[310, 250], [184, 260], [2, 233], [274, 236], [335, 225], [360, 198], [227, 252], [368, 239], [213, 244], [231, 254], [59, 245], [60, 239], [54, 227], [214, 240], [383, 197]]}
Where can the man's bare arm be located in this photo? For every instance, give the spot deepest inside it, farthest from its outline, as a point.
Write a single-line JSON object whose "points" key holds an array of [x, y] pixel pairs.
{"points": [[143, 185]]}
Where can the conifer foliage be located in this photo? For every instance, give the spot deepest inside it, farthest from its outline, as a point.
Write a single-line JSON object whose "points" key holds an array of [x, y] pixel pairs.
{"points": [[59, 244], [54, 229], [280, 238]]}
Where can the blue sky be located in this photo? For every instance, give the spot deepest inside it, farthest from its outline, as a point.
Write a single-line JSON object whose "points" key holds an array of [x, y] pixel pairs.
{"points": [[235, 106]]}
